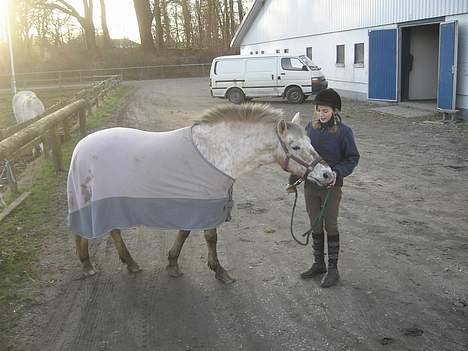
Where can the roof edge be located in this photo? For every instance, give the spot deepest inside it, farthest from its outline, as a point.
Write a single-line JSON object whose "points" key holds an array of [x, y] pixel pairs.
{"points": [[247, 22]]}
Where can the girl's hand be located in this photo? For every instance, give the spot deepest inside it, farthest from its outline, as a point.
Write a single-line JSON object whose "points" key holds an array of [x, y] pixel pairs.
{"points": [[333, 181]]}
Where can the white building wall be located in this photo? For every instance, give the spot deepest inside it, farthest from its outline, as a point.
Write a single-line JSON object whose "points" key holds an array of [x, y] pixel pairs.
{"points": [[348, 77], [282, 19]]}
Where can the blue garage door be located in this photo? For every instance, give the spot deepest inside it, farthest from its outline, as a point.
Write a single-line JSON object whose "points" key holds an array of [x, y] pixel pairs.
{"points": [[446, 90], [383, 65]]}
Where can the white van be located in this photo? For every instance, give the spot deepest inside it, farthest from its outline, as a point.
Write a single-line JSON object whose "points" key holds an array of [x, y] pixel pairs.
{"points": [[238, 78]]}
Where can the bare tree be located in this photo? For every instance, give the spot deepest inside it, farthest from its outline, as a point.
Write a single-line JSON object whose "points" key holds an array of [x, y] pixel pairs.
{"points": [[159, 35], [240, 10], [145, 19], [166, 23], [85, 21], [107, 42], [187, 15]]}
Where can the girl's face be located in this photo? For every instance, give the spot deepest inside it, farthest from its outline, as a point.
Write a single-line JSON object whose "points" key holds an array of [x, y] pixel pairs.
{"points": [[324, 113]]}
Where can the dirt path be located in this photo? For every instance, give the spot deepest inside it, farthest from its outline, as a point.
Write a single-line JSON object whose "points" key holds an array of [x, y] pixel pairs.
{"points": [[404, 259]]}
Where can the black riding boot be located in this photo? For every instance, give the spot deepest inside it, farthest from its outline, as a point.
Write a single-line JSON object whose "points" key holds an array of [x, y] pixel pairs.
{"points": [[319, 266], [332, 276]]}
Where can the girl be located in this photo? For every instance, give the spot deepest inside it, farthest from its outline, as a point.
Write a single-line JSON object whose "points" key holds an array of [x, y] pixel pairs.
{"points": [[334, 141]]}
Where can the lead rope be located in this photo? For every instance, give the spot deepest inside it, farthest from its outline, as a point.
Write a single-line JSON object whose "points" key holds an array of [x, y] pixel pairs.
{"points": [[316, 220]]}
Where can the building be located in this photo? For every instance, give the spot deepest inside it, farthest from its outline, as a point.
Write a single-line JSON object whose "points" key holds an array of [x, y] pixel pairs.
{"points": [[391, 50]]}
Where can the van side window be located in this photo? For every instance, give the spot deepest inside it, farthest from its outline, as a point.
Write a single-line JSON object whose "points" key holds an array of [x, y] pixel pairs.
{"points": [[261, 65], [228, 66], [291, 64]]}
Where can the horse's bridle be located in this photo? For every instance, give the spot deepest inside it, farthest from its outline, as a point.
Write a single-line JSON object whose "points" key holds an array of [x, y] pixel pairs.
{"points": [[309, 166]]}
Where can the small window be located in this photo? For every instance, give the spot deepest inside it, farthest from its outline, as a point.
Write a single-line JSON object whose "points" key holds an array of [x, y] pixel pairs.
{"points": [[340, 55], [286, 51], [309, 52], [359, 54], [291, 64], [262, 52], [251, 53], [278, 51], [256, 52]]}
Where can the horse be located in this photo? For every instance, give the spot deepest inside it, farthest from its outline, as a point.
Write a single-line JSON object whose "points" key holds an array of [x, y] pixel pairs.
{"points": [[26, 106], [180, 179]]}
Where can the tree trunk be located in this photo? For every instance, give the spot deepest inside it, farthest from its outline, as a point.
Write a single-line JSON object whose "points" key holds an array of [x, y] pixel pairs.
{"points": [[240, 9], [166, 24], [107, 42], [231, 18], [186, 14], [144, 18], [88, 26], [159, 27], [199, 16]]}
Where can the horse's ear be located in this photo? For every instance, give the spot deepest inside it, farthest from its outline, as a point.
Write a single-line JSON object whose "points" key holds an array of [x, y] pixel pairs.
{"points": [[282, 128], [297, 118]]}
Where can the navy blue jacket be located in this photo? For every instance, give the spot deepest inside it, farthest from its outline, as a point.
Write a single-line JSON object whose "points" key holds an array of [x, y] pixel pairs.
{"points": [[337, 149]]}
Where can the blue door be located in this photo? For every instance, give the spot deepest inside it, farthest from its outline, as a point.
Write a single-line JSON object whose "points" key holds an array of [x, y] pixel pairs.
{"points": [[383, 65], [446, 90]]}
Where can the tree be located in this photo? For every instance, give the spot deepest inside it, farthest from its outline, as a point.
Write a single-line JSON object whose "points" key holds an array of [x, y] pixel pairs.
{"points": [[85, 21], [187, 15], [159, 35], [145, 19], [107, 42]]}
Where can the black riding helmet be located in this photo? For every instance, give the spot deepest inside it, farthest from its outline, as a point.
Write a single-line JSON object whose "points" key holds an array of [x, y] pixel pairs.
{"points": [[328, 97]]}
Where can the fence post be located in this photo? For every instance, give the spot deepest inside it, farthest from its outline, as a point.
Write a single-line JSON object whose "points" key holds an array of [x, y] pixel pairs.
{"points": [[56, 148], [66, 129], [12, 184], [82, 117]]}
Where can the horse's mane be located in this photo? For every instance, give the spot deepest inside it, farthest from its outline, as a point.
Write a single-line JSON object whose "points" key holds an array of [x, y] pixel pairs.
{"points": [[249, 113]]}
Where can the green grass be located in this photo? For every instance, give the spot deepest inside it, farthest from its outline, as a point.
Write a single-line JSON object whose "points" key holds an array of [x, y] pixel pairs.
{"points": [[48, 98], [35, 221]]}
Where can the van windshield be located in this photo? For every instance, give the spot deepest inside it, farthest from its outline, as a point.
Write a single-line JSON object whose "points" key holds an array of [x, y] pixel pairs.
{"points": [[307, 61]]}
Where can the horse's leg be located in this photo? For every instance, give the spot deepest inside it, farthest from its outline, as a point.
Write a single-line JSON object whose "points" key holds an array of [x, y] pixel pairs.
{"points": [[124, 255], [211, 237], [83, 255], [173, 267]]}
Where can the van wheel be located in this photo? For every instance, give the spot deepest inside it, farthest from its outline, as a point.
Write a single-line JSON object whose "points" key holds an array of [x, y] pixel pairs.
{"points": [[236, 96], [295, 95]]}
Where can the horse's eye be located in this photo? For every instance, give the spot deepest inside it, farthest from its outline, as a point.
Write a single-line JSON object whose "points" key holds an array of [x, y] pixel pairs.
{"points": [[295, 147]]}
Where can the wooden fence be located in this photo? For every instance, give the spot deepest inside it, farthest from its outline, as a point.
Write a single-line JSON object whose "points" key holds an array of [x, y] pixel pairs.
{"points": [[45, 128]]}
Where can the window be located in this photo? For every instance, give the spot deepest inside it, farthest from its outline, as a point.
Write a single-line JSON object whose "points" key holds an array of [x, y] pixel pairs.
{"points": [[291, 64], [251, 53], [286, 51], [340, 55], [262, 52], [228, 66], [256, 52], [309, 52], [278, 51], [261, 65], [359, 54]]}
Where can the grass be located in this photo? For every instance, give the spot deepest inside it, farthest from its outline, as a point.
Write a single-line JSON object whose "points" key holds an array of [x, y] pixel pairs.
{"points": [[48, 98], [24, 231]]}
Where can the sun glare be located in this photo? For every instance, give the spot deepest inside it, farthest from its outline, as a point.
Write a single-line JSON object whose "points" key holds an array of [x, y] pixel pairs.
{"points": [[3, 14]]}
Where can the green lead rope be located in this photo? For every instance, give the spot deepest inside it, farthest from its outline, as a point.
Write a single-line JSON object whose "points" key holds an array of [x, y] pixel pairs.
{"points": [[316, 220]]}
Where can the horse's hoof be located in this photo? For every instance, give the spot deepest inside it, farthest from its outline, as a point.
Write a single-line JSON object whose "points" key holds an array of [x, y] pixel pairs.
{"points": [[224, 278], [134, 269], [173, 271], [89, 273]]}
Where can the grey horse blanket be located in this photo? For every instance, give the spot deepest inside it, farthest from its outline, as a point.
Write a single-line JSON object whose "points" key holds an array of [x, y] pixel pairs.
{"points": [[122, 177]]}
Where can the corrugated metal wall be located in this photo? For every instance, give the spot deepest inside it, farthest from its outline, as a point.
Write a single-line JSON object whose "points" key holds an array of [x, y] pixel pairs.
{"points": [[294, 18]]}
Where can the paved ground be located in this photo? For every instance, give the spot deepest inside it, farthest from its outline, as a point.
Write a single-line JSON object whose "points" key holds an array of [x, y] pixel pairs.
{"points": [[403, 262]]}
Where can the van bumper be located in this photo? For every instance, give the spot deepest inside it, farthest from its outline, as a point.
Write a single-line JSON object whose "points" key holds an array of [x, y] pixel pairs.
{"points": [[319, 84]]}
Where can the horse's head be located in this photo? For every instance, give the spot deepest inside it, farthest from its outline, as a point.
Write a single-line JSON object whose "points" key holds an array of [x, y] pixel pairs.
{"points": [[296, 154]]}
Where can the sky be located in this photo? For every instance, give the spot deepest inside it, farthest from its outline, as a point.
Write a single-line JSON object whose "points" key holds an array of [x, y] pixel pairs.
{"points": [[121, 18]]}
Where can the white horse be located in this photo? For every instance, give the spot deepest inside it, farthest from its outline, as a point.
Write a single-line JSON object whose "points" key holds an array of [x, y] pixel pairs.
{"points": [[26, 106], [112, 182]]}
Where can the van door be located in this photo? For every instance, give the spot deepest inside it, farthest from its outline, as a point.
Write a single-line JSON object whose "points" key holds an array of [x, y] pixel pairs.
{"points": [[225, 74], [292, 71], [261, 77]]}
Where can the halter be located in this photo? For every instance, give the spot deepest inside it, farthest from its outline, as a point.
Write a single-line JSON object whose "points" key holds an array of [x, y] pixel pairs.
{"points": [[309, 167]]}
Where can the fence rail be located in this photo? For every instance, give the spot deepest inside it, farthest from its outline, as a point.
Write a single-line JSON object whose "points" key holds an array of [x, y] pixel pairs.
{"points": [[45, 128], [64, 78]]}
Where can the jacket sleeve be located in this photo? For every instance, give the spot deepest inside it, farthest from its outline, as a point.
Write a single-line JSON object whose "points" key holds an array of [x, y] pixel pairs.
{"points": [[350, 156]]}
